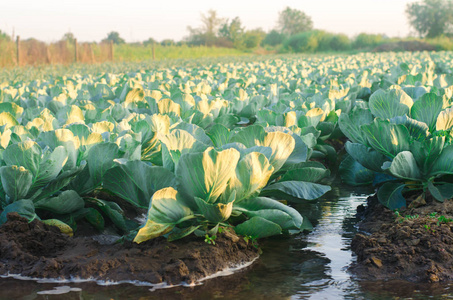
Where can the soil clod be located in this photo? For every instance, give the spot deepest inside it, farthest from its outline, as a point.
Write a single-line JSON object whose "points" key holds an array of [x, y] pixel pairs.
{"points": [[413, 244], [37, 250]]}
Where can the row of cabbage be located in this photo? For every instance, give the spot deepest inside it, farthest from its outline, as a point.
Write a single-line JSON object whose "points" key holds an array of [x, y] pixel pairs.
{"points": [[222, 145], [400, 139], [401, 144]]}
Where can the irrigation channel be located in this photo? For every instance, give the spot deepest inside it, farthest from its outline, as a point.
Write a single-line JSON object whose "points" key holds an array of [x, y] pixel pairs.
{"points": [[306, 266]]}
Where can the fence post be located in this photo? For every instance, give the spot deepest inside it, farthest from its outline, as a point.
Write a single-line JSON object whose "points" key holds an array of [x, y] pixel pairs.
{"points": [[76, 51], [48, 56], [91, 53], [154, 53], [111, 50], [18, 50]]}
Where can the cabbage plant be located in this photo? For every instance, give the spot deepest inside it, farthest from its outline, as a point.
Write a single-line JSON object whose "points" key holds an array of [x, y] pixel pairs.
{"points": [[218, 187], [408, 144], [31, 179]]}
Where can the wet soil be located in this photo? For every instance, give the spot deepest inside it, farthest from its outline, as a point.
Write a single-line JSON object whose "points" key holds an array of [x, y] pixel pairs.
{"points": [[416, 245], [41, 251]]}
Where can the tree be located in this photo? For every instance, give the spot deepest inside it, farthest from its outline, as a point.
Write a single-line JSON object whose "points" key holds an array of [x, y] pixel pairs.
{"points": [[211, 22], [114, 37], [207, 34], [431, 18], [368, 40], [68, 37], [340, 42], [4, 36], [302, 42], [195, 38], [274, 38], [253, 38], [167, 42], [149, 42], [292, 21], [233, 32]]}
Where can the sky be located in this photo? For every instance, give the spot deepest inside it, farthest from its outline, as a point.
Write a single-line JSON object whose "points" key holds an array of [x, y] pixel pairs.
{"points": [[138, 20]]}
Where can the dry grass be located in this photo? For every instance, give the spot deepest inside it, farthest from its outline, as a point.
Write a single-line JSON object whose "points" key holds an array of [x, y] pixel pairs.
{"points": [[37, 53], [34, 52]]}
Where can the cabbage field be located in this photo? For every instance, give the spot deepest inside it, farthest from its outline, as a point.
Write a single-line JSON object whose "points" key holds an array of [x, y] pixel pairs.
{"points": [[224, 145]]}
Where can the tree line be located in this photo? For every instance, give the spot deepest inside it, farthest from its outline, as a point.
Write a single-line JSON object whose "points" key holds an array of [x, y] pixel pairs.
{"points": [[294, 31]]}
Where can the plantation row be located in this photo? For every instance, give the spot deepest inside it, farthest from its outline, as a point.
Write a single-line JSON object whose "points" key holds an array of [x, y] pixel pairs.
{"points": [[223, 145]]}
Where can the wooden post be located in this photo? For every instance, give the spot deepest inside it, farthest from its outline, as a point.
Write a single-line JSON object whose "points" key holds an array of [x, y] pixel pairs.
{"points": [[76, 51], [18, 50], [111, 50], [91, 53], [48, 56], [154, 53]]}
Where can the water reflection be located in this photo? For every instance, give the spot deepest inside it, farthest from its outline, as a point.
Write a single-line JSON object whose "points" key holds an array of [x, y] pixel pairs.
{"points": [[330, 241], [308, 266]]}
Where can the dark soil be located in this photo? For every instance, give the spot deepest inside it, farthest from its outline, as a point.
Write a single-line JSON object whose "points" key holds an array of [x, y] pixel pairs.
{"points": [[416, 246], [337, 144], [41, 251]]}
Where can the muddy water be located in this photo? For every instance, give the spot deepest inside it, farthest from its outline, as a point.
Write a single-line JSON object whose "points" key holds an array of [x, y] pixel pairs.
{"points": [[306, 266]]}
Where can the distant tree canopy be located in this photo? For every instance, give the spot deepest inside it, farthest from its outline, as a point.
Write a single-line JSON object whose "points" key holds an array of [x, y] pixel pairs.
{"points": [[239, 37], [431, 18], [211, 22], [368, 40], [4, 36], [274, 38], [149, 41], [207, 33], [317, 41], [68, 37], [114, 37], [253, 38], [293, 21], [233, 31], [221, 32], [167, 42]]}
